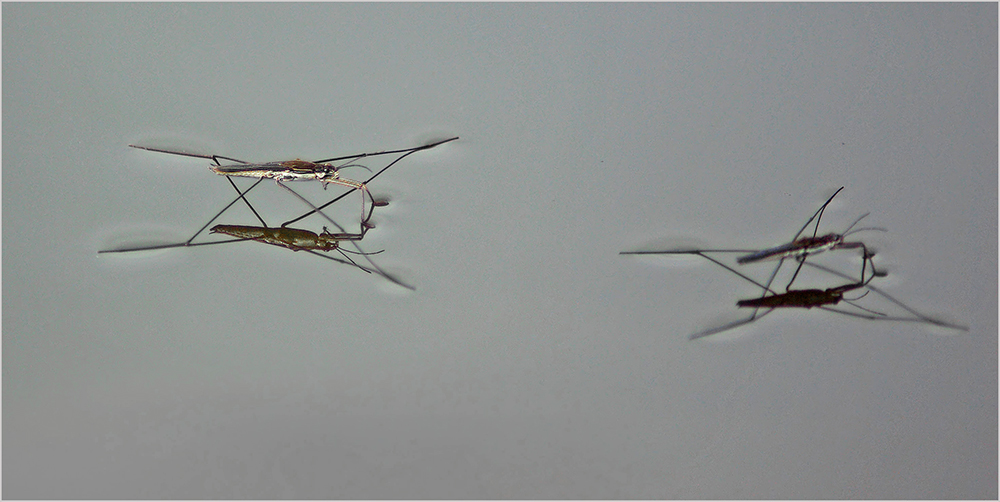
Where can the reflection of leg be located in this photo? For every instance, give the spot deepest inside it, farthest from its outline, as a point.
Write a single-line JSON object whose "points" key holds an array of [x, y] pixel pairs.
{"points": [[365, 222], [729, 326], [310, 204], [361, 252], [240, 196], [405, 152], [866, 256], [231, 182], [767, 287], [753, 316], [801, 260], [869, 255], [919, 317]]}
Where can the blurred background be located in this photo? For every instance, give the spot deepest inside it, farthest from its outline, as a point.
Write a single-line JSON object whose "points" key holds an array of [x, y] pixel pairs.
{"points": [[532, 361]]}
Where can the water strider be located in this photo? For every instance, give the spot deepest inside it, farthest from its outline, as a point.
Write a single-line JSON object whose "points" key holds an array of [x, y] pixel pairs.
{"points": [[322, 170], [799, 249], [291, 238]]}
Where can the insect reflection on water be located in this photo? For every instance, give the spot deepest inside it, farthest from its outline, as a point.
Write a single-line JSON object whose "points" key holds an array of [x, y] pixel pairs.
{"points": [[295, 239], [800, 249]]}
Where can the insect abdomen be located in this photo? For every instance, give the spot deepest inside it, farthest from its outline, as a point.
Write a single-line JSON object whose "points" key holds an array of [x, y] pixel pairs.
{"points": [[806, 298]]}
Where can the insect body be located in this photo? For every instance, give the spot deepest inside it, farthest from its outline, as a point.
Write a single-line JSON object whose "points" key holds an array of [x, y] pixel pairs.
{"points": [[805, 246], [801, 298], [798, 248], [801, 247], [304, 240], [807, 298], [292, 238], [292, 170]]}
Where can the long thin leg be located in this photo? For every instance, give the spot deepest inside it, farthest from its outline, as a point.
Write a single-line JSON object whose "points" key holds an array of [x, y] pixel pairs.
{"points": [[818, 214], [168, 246], [887, 296], [310, 204], [188, 242], [238, 197], [214, 158], [375, 266], [770, 281], [866, 258], [866, 255], [364, 221], [693, 251], [388, 152], [242, 196], [753, 317], [802, 259], [369, 180], [765, 287], [726, 327]]}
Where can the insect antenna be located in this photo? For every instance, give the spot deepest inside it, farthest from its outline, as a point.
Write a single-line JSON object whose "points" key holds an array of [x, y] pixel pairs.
{"points": [[367, 253], [849, 231], [855, 305], [341, 251], [345, 166]]}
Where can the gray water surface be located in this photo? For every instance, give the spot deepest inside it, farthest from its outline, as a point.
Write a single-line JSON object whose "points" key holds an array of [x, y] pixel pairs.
{"points": [[532, 361]]}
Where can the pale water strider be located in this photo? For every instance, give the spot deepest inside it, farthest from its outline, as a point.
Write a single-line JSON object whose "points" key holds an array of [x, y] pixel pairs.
{"points": [[295, 239]]}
